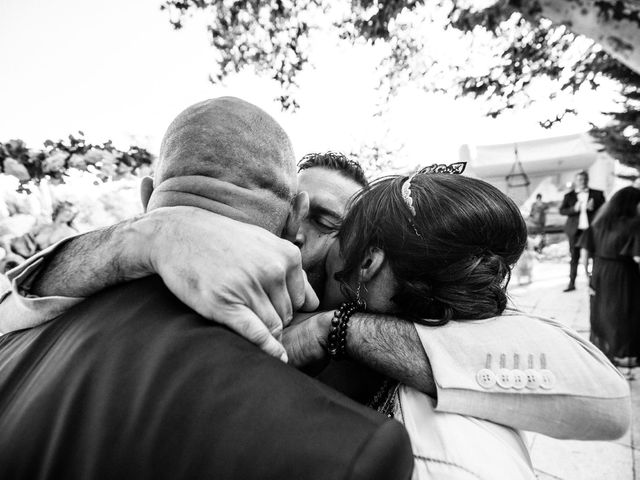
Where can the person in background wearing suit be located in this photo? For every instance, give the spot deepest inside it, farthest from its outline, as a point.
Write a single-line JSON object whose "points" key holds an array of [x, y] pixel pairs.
{"points": [[132, 383], [580, 206]]}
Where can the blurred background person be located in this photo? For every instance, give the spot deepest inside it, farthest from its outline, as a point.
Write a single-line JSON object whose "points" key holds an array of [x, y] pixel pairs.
{"points": [[8, 260], [43, 236], [614, 241], [538, 216], [523, 270], [4, 282], [580, 205]]}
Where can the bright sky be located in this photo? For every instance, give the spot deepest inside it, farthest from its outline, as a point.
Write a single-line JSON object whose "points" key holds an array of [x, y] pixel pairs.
{"points": [[118, 70]]}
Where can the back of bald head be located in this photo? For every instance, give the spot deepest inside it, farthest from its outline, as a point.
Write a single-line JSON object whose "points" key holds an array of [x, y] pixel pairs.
{"points": [[228, 156]]}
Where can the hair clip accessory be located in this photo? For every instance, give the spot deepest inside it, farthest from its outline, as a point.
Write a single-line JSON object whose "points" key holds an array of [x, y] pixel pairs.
{"points": [[454, 168], [406, 194]]}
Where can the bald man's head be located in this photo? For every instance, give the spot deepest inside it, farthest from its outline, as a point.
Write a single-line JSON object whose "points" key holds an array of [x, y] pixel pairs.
{"points": [[228, 156]]}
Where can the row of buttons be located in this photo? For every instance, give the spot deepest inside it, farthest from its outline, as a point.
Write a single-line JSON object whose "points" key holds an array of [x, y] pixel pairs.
{"points": [[516, 379]]}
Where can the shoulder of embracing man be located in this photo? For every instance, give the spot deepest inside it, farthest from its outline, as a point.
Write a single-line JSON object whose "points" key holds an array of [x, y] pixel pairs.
{"points": [[261, 422]]}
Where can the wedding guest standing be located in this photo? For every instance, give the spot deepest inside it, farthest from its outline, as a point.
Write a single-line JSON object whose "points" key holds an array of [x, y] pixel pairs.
{"points": [[538, 216], [614, 240], [580, 205]]}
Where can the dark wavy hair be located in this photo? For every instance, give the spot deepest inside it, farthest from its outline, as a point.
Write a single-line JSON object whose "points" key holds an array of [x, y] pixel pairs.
{"points": [[622, 206], [335, 161], [453, 260]]}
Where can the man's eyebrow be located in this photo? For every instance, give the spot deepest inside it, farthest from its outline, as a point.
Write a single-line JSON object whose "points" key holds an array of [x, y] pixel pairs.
{"points": [[322, 210]]}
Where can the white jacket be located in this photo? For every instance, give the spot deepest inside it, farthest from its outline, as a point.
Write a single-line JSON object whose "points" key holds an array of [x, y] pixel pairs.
{"points": [[447, 446]]}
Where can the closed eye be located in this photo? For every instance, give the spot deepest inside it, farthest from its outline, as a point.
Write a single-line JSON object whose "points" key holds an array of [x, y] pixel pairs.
{"points": [[325, 225]]}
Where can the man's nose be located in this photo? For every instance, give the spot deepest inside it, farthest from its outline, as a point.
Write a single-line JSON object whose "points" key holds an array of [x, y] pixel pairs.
{"points": [[300, 237]]}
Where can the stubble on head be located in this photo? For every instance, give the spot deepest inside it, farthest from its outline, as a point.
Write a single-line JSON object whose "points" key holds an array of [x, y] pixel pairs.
{"points": [[229, 156]]}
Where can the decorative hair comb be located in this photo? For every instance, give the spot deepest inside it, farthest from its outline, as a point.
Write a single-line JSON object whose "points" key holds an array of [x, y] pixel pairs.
{"points": [[454, 168]]}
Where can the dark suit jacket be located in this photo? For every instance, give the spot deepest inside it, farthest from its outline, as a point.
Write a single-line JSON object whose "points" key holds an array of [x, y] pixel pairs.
{"points": [[132, 384], [567, 208]]}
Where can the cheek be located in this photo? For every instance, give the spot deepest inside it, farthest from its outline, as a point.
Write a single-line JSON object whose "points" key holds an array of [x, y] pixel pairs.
{"points": [[333, 294], [318, 245], [334, 260], [334, 264]]}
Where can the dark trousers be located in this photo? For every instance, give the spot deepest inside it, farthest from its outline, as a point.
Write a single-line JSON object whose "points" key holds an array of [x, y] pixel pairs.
{"points": [[574, 251]]}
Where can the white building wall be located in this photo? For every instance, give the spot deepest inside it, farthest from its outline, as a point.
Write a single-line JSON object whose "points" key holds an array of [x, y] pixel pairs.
{"points": [[546, 168]]}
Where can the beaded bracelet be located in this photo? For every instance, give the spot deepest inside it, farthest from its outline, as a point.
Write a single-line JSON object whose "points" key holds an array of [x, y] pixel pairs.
{"points": [[337, 340]]}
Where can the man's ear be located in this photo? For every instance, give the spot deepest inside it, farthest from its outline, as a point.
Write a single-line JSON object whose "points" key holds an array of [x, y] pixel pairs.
{"points": [[299, 211], [146, 189], [371, 263]]}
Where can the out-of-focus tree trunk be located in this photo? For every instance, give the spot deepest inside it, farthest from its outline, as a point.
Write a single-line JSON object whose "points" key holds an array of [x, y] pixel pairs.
{"points": [[614, 24]]}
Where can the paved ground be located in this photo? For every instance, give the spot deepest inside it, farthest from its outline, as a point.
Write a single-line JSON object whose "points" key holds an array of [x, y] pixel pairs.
{"points": [[575, 460]]}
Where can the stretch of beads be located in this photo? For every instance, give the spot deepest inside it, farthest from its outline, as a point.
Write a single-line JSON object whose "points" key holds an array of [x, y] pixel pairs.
{"points": [[337, 341]]}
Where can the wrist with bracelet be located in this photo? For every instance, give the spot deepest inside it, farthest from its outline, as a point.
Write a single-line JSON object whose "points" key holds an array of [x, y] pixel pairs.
{"points": [[337, 339]]}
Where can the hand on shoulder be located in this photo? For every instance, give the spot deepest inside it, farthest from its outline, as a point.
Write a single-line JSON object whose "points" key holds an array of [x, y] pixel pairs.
{"points": [[230, 272]]}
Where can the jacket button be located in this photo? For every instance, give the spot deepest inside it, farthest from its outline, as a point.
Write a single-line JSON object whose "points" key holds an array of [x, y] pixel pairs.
{"points": [[547, 379], [504, 378], [533, 379], [486, 378], [519, 379]]}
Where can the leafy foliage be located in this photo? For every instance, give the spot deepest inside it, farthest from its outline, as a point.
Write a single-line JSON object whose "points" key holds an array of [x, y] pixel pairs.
{"points": [[538, 49], [268, 36], [621, 137], [52, 163], [522, 49], [377, 159]]}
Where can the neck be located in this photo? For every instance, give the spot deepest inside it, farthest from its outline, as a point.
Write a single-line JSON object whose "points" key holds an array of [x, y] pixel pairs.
{"points": [[224, 198]]}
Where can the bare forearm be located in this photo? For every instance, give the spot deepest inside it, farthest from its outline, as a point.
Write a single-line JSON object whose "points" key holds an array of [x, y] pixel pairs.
{"points": [[392, 347], [96, 260]]}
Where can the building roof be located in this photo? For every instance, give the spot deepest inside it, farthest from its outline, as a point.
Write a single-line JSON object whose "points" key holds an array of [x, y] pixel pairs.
{"points": [[569, 152]]}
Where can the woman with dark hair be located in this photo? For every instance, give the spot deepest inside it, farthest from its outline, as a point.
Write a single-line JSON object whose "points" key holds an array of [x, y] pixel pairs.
{"points": [[450, 260], [614, 241], [439, 247]]}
